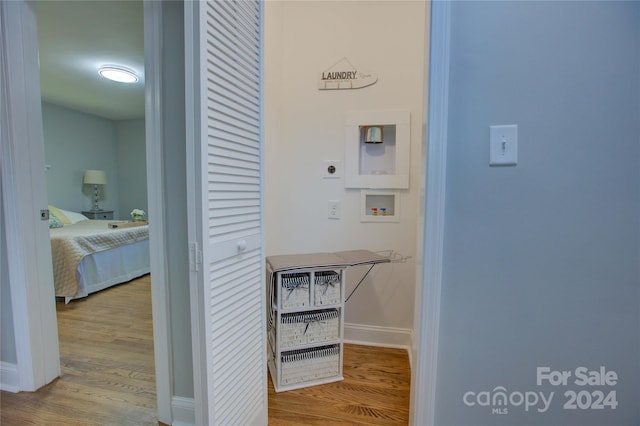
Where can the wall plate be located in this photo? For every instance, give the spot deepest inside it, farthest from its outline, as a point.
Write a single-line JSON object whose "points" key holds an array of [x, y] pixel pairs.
{"points": [[503, 145], [332, 169], [333, 209]]}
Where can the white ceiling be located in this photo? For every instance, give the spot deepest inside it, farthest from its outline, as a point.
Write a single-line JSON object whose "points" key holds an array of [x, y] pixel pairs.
{"points": [[75, 38]]}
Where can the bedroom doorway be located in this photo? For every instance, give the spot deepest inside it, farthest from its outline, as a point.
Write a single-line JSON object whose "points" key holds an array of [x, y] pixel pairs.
{"points": [[103, 124]]}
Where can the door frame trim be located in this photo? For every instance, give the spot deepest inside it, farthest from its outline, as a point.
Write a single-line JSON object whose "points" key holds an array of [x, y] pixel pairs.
{"points": [[427, 320], [154, 136], [193, 132], [37, 352], [24, 195]]}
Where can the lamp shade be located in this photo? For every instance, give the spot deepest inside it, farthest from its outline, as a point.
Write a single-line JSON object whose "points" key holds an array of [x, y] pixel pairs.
{"points": [[94, 177]]}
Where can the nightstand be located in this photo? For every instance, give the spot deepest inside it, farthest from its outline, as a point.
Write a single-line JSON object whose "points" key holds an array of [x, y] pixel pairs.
{"points": [[100, 214]]}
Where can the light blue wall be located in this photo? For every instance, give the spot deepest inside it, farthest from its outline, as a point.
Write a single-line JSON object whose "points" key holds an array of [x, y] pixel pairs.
{"points": [[132, 169], [542, 260], [7, 339], [76, 141]]}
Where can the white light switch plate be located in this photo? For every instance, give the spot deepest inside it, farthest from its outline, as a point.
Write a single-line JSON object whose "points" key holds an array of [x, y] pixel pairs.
{"points": [[503, 145]]}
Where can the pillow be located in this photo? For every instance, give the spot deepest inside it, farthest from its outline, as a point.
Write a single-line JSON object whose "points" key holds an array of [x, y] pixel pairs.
{"points": [[74, 217], [65, 216], [54, 222], [58, 213]]}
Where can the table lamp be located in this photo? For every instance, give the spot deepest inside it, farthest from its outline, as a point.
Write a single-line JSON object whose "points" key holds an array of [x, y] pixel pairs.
{"points": [[95, 178]]}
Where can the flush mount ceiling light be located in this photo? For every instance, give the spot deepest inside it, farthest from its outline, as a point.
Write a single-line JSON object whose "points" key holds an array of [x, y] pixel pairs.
{"points": [[118, 74]]}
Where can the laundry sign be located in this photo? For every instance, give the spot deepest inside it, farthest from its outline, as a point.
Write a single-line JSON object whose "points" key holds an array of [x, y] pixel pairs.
{"points": [[343, 76]]}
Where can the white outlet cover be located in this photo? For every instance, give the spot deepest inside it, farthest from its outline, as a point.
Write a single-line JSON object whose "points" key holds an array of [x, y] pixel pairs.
{"points": [[327, 167], [333, 209]]}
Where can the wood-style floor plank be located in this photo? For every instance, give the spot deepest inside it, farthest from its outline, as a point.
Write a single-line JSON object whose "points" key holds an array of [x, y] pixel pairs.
{"points": [[108, 377], [107, 364], [375, 391]]}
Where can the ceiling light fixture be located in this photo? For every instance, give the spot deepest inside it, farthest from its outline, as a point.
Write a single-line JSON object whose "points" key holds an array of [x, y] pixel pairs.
{"points": [[118, 74]]}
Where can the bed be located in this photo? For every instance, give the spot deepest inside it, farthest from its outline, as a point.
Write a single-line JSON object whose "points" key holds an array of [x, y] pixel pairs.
{"points": [[89, 256]]}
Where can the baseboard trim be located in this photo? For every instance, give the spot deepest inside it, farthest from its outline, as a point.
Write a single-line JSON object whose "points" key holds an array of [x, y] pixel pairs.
{"points": [[387, 337], [184, 411], [9, 377]]}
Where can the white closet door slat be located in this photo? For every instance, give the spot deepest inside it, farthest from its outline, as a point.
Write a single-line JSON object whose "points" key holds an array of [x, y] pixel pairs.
{"points": [[224, 93], [232, 131], [232, 118], [235, 112], [242, 62], [240, 69], [245, 39], [231, 203], [231, 149]]}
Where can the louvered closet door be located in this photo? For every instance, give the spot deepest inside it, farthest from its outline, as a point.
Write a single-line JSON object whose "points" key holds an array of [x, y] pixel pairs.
{"points": [[227, 107]]}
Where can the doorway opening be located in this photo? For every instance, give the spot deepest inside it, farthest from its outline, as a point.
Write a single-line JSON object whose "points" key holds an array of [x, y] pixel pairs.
{"points": [[94, 124]]}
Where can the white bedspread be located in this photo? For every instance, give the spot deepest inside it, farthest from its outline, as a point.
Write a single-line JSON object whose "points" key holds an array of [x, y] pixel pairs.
{"points": [[71, 243]]}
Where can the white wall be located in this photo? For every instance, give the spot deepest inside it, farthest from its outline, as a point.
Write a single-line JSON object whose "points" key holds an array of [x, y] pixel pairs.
{"points": [[304, 126], [541, 260]]}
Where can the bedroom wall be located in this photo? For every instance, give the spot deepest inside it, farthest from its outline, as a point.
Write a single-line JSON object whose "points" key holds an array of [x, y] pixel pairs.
{"points": [[132, 169], [75, 141], [541, 260], [304, 126]]}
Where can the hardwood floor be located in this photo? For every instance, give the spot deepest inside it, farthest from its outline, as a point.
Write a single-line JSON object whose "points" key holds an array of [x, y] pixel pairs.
{"points": [[375, 391], [106, 354], [108, 378]]}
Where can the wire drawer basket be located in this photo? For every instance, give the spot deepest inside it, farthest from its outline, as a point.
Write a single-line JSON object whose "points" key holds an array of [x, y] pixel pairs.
{"points": [[295, 290], [305, 365], [327, 288], [302, 328]]}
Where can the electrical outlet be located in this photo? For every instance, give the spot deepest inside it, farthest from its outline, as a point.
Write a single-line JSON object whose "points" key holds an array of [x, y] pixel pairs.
{"points": [[331, 169], [333, 211]]}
